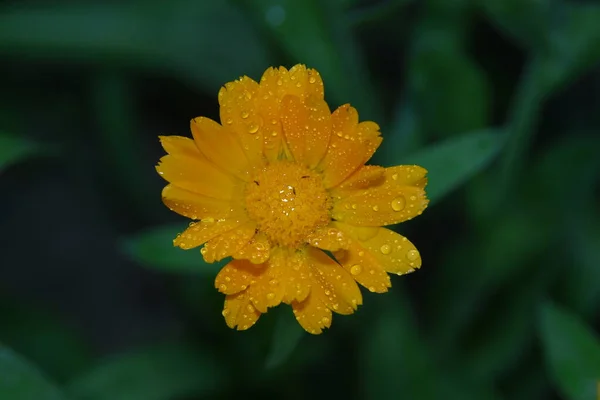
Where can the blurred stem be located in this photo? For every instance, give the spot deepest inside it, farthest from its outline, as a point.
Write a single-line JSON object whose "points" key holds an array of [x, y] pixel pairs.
{"points": [[522, 121], [113, 104]]}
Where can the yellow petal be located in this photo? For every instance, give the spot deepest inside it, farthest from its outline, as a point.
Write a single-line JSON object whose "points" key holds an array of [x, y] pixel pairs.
{"points": [[329, 238], [257, 251], [237, 275], [268, 289], [395, 253], [195, 206], [364, 267], [228, 243], [294, 270], [312, 314], [201, 232], [220, 146], [238, 311], [274, 85], [188, 169], [240, 115], [334, 285], [307, 127], [399, 198], [351, 145]]}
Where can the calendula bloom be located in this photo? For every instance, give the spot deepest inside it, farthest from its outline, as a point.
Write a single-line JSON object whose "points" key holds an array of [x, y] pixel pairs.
{"points": [[281, 187]]}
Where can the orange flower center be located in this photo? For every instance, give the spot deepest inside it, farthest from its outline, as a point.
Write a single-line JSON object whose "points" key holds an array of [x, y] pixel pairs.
{"points": [[288, 202]]}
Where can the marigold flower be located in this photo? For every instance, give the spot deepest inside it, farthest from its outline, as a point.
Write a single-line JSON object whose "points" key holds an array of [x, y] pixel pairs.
{"points": [[282, 188]]}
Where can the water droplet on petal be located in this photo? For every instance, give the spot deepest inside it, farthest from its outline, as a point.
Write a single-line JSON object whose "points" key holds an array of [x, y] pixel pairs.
{"points": [[253, 129], [225, 312], [222, 287], [372, 288], [245, 114], [270, 296], [412, 255], [250, 308], [386, 249], [356, 269], [375, 208], [398, 203], [325, 320]]}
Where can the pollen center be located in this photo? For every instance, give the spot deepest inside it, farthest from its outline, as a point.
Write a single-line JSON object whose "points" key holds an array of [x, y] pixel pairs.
{"points": [[288, 202]]}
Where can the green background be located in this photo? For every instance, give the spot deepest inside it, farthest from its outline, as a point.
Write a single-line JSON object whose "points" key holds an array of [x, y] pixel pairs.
{"points": [[498, 99]]}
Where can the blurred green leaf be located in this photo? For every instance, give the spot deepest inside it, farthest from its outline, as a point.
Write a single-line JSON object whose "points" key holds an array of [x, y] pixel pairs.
{"points": [[524, 20], [452, 162], [164, 372], [317, 33], [286, 337], [20, 380], [154, 248], [44, 338], [447, 107], [397, 363], [572, 353], [177, 36], [14, 149]]}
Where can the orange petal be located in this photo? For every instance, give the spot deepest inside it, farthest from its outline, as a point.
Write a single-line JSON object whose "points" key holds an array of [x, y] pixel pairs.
{"points": [[307, 127], [399, 198], [293, 269], [393, 251], [188, 169], [335, 286], [193, 205], [201, 232], [228, 243], [351, 145], [312, 314], [240, 115], [257, 251], [220, 146], [329, 238], [364, 267], [274, 85], [237, 275], [268, 289], [238, 311], [363, 178]]}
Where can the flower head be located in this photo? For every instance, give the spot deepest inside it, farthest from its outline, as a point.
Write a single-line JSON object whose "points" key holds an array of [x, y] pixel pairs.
{"points": [[282, 188]]}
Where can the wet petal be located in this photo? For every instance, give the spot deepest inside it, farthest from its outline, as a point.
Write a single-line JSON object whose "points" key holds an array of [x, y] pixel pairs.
{"points": [[351, 145], [201, 232], [312, 314], [196, 206], [274, 85], [268, 290], [238, 311], [329, 238], [335, 286], [220, 146], [293, 269], [364, 267], [257, 251], [399, 198], [393, 251], [237, 275], [188, 169], [363, 178], [228, 243], [240, 115], [307, 127]]}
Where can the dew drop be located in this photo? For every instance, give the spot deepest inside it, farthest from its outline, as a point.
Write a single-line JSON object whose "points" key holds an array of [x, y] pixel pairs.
{"points": [[372, 288], [312, 79], [253, 128], [356, 269], [222, 287], [385, 249], [325, 320], [412, 255], [354, 206], [361, 253], [250, 308], [245, 114], [229, 121], [375, 208], [398, 203], [270, 296], [395, 177], [225, 312]]}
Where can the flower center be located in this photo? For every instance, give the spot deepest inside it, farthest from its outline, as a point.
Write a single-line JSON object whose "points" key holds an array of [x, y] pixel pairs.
{"points": [[288, 202]]}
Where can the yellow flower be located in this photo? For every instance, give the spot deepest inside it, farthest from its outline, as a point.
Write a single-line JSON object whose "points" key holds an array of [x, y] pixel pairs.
{"points": [[281, 187]]}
